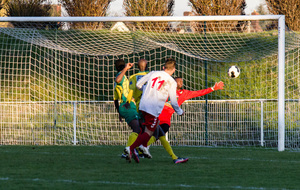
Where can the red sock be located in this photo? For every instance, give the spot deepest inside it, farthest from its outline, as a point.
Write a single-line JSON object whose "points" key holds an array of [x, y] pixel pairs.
{"points": [[144, 137], [145, 143]]}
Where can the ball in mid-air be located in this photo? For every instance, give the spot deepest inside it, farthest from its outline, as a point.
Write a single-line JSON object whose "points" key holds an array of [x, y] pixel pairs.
{"points": [[233, 71]]}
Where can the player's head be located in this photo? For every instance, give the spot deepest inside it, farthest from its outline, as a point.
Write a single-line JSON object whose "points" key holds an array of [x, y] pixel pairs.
{"points": [[120, 65], [179, 82], [170, 66], [142, 64]]}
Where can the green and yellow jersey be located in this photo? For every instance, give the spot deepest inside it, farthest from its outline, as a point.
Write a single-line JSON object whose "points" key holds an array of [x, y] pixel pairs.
{"points": [[134, 92], [121, 89]]}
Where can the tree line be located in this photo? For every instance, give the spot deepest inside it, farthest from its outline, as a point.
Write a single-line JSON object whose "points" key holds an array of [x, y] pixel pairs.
{"points": [[289, 8]]}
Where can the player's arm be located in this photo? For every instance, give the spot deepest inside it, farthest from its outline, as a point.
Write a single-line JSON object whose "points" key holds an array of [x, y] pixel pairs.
{"points": [[143, 80], [116, 102], [120, 76], [193, 94], [218, 86], [117, 95], [173, 99]]}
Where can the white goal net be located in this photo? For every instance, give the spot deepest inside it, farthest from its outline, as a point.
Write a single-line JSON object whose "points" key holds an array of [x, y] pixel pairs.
{"points": [[57, 75]]}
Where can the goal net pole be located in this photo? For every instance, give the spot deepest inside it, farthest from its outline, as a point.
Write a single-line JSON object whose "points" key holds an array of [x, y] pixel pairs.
{"points": [[281, 78]]}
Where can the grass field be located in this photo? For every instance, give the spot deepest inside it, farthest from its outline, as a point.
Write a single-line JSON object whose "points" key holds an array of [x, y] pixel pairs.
{"points": [[100, 167]]}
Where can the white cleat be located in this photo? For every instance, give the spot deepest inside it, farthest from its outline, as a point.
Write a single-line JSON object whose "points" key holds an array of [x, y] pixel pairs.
{"points": [[127, 151], [145, 151]]}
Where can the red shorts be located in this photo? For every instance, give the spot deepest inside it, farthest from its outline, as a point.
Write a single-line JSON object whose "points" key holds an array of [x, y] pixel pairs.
{"points": [[151, 121]]}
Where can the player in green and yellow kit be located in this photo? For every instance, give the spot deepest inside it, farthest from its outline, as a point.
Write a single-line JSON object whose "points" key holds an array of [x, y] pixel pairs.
{"points": [[121, 90]]}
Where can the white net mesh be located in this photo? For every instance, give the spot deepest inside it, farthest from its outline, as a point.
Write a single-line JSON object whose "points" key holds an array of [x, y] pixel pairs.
{"points": [[57, 81]]}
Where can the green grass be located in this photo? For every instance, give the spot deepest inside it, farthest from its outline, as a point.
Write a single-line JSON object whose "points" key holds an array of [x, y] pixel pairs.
{"points": [[100, 167]]}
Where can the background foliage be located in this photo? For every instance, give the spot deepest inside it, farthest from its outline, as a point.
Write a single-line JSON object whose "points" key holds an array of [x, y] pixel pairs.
{"points": [[289, 8], [27, 8], [86, 8], [1, 4], [219, 7], [148, 8]]}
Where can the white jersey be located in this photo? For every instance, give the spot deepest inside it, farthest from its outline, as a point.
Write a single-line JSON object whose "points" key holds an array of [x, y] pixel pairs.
{"points": [[160, 86]]}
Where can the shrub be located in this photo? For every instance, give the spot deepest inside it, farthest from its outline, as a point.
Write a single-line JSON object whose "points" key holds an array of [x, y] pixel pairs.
{"points": [[16, 8]]}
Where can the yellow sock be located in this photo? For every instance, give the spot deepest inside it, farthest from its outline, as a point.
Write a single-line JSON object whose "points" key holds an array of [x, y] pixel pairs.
{"points": [[151, 140], [132, 137], [167, 146]]}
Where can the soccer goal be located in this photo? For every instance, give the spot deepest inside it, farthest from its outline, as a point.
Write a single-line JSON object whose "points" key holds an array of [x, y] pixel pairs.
{"points": [[57, 76]]}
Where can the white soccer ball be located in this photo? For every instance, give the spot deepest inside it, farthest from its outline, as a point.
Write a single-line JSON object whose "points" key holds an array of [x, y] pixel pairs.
{"points": [[233, 71]]}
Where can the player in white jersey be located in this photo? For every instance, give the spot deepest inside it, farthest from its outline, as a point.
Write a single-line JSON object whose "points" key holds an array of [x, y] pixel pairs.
{"points": [[159, 86]]}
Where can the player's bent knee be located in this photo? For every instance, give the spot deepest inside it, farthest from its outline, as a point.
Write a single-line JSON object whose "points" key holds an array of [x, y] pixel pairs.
{"points": [[135, 126], [165, 127]]}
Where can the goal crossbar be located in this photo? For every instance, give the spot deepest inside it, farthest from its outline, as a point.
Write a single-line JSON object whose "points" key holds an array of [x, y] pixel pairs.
{"points": [[141, 18]]}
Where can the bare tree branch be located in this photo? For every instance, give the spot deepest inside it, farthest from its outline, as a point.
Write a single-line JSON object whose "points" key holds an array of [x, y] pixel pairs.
{"points": [[86, 8], [289, 8], [149, 8]]}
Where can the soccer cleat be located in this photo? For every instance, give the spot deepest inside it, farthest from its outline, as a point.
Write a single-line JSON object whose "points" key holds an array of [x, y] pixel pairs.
{"points": [[141, 155], [130, 154], [135, 155], [145, 151], [124, 155], [180, 160], [127, 151]]}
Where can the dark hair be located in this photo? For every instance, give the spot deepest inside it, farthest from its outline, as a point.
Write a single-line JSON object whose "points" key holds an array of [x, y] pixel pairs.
{"points": [[179, 77], [120, 65], [170, 63]]}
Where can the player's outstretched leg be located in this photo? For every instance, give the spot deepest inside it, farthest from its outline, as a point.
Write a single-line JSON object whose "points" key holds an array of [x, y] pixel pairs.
{"points": [[169, 149], [142, 138], [132, 137], [134, 125]]}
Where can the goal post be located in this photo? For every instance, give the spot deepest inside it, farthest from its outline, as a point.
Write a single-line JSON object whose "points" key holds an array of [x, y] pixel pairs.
{"points": [[281, 86], [60, 70]]}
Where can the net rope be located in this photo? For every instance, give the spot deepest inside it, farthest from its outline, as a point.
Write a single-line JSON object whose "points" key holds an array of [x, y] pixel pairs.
{"points": [[55, 79]]}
